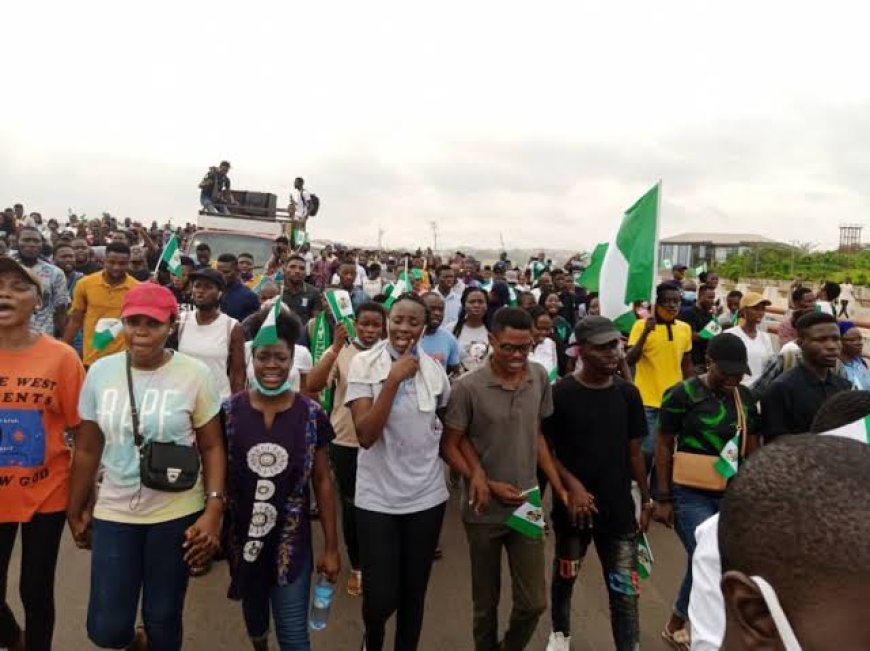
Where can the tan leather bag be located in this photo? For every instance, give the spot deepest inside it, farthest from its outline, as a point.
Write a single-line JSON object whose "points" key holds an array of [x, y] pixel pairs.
{"points": [[698, 470]]}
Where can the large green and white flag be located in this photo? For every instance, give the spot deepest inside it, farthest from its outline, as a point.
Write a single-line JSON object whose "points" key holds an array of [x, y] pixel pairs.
{"points": [[590, 278], [341, 308], [268, 332], [105, 332], [857, 431], [711, 329], [629, 267], [729, 458], [171, 256], [528, 519]]}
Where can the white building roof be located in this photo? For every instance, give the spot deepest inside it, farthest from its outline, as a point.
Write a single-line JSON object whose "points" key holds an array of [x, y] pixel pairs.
{"points": [[718, 239]]}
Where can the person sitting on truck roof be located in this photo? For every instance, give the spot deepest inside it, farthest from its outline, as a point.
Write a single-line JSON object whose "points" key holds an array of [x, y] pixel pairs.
{"points": [[214, 189]]}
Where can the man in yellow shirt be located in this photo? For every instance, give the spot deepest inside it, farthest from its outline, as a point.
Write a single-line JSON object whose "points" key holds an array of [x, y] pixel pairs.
{"points": [[99, 297], [660, 348]]}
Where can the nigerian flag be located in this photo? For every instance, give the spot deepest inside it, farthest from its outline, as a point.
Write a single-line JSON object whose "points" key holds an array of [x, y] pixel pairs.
{"points": [[726, 464], [629, 266], [644, 556], [171, 256], [711, 329], [342, 309], [528, 519], [268, 332], [396, 289], [105, 332], [857, 431], [589, 280]]}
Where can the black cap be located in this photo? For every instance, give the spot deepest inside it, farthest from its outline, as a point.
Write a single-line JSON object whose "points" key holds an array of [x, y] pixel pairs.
{"points": [[211, 275], [595, 330], [679, 267], [728, 352]]}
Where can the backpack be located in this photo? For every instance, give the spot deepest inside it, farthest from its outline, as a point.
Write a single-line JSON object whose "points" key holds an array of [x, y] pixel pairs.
{"points": [[313, 204]]}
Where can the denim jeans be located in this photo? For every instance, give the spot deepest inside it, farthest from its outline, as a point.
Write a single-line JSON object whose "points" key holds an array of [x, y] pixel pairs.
{"points": [[289, 610], [618, 554], [211, 207], [127, 559], [691, 508]]}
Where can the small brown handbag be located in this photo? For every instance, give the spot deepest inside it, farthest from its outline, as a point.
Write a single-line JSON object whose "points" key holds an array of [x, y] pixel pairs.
{"points": [[698, 470]]}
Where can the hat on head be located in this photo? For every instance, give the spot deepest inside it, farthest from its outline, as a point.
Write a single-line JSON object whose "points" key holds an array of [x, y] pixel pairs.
{"points": [[595, 330], [150, 299], [729, 354], [751, 299], [211, 275], [679, 267], [8, 264]]}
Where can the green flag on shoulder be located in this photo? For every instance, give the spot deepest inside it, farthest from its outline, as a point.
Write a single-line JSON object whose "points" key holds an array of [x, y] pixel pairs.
{"points": [[628, 269]]}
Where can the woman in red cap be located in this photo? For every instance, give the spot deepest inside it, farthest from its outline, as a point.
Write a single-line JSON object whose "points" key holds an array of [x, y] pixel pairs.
{"points": [[149, 422], [34, 459]]}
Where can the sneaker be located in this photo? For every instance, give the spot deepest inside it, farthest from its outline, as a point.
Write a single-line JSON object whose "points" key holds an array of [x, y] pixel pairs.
{"points": [[558, 642]]}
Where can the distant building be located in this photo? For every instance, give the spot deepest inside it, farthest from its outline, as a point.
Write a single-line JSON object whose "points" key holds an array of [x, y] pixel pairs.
{"points": [[691, 249]]}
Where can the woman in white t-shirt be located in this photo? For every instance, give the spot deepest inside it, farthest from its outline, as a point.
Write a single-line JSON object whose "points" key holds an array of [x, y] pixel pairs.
{"points": [[471, 331], [759, 345], [544, 350], [394, 390]]}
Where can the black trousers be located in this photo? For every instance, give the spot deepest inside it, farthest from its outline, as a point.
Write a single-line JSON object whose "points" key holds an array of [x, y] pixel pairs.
{"points": [[344, 466], [40, 541], [396, 553]]}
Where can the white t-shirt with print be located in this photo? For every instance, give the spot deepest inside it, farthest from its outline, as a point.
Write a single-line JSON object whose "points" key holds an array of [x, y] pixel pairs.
{"points": [[473, 347]]}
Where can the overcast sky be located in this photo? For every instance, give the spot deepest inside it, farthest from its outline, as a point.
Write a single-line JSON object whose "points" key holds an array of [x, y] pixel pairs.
{"points": [[538, 121]]}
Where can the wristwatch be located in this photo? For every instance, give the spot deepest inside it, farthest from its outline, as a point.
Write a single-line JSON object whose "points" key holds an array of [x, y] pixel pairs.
{"points": [[216, 495]]}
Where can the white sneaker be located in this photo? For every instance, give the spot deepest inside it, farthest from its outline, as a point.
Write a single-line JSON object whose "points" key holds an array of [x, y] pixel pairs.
{"points": [[558, 642]]}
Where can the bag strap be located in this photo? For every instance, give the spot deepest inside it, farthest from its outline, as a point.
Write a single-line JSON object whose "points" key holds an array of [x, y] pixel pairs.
{"points": [[741, 422], [134, 411]]}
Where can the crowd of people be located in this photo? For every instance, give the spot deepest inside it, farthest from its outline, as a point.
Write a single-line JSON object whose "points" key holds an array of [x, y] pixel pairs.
{"points": [[175, 419]]}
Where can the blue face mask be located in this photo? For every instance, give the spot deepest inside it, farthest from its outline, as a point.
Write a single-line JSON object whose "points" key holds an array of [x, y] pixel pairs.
{"points": [[690, 296], [284, 388]]}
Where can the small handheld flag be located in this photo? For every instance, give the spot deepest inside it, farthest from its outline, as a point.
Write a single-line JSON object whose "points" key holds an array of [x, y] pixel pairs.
{"points": [[711, 329], [105, 332], [729, 458], [857, 431], [171, 255], [321, 341], [341, 308], [528, 519], [644, 557]]}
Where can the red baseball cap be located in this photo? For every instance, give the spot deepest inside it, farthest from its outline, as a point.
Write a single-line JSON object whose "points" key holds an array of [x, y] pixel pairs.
{"points": [[150, 299]]}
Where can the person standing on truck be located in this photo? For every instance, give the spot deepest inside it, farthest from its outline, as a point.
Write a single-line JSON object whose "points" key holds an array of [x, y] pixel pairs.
{"points": [[214, 189], [300, 203]]}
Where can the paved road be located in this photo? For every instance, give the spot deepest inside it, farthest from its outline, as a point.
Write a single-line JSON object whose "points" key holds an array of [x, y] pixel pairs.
{"points": [[214, 623]]}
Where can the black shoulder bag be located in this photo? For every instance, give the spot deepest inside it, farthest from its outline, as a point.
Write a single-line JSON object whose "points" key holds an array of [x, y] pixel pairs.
{"points": [[163, 466]]}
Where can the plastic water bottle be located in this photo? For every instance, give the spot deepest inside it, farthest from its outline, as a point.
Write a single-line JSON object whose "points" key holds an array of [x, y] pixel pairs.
{"points": [[323, 591]]}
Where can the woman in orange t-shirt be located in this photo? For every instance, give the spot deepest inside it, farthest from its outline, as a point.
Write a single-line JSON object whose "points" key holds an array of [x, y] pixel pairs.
{"points": [[40, 379]]}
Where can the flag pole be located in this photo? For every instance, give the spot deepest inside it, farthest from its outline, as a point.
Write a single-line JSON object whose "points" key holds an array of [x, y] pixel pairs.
{"points": [[657, 247]]}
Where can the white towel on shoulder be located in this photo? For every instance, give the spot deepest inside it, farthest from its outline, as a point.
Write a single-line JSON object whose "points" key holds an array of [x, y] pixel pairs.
{"points": [[373, 366]]}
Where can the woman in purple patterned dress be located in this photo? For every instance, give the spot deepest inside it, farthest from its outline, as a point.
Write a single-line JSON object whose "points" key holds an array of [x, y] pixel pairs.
{"points": [[277, 441]]}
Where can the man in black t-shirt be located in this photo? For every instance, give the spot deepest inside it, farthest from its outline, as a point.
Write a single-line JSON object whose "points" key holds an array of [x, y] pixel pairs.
{"points": [[700, 316], [596, 430]]}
